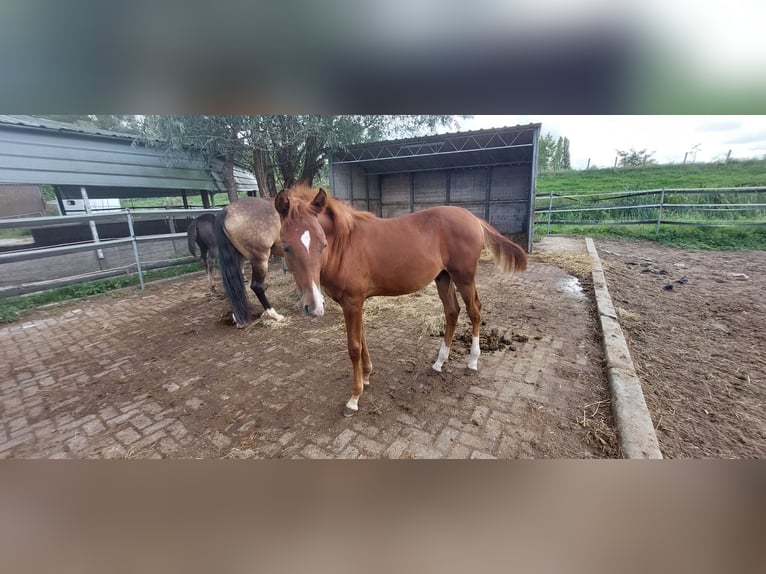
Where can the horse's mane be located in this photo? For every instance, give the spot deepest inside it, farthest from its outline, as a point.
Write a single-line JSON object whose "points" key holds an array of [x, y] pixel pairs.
{"points": [[344, 217]]}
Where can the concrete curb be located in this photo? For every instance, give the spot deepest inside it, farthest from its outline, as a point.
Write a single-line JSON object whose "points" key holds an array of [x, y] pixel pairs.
{"points": [[635, 429]]}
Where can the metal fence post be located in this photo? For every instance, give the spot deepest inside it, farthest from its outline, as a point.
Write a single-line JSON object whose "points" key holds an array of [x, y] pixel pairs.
{"points": [[550, 209], [135, 249], [659, 212]]}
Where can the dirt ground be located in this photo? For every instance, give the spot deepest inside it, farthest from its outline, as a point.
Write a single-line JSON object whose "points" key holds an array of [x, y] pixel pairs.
{"points": [[695, 324], [163, 373]]}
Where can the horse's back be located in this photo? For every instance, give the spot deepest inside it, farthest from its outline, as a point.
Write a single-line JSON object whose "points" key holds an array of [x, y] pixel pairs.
{"points": [[251, 224]]}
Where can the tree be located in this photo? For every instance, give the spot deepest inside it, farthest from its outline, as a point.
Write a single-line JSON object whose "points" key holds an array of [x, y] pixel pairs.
{"points": [[566, 162], [283, 149], [553, 154], [116, 123], [545, 148], [217, 136], [633, 158]]}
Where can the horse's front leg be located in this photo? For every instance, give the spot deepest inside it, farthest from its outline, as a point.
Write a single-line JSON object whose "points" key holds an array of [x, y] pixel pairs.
{"points": [[352, 314]]}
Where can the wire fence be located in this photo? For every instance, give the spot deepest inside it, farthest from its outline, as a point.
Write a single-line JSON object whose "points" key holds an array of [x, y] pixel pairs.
{"points": [[714, 207], [32, 268]]}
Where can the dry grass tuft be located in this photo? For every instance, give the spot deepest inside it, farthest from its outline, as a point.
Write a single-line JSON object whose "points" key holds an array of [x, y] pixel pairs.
{"points": [[601, 434], [626, 315], [578, 264]]}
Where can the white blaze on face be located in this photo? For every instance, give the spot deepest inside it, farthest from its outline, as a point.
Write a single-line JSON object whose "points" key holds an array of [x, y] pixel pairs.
{"points": [[306, 239]]}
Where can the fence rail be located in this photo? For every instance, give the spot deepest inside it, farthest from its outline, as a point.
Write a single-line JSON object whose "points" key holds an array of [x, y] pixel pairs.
{"points": [[723, 207], [43, 279]]}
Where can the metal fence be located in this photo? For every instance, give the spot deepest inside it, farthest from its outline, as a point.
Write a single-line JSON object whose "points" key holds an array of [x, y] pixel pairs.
{"points": [[56, 265], [730, 206]]}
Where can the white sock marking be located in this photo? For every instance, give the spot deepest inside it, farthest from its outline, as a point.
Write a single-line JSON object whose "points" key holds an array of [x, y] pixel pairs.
{"points": [[271, 312], [318, 300], [443, 356], [306, 239], [473, 359], [353, 403]]}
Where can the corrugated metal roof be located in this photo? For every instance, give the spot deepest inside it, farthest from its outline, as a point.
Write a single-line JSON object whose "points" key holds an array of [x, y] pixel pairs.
{"points": [[45, 123], [40, 151], [497, 146]]}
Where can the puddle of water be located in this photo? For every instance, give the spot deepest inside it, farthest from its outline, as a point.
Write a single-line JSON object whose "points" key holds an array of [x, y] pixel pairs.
{"points": [[570, 285]]}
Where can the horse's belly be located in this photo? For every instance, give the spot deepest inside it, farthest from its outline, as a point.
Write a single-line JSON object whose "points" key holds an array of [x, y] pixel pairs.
{"points": [[402, 283]]}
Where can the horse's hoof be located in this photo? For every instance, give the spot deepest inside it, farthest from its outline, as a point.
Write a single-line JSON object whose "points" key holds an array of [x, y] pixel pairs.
{"points": [[469, 372], [347, 412]]}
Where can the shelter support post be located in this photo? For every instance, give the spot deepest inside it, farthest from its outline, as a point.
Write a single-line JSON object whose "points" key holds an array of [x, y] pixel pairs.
{"points": [[93, 228], [135, 250]]}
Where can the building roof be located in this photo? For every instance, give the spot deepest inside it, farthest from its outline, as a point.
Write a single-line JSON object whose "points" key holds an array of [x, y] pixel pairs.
{"points": [[477, 148], [41, 151]]}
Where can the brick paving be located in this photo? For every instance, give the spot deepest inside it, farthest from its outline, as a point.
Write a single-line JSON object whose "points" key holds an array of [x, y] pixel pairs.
{"points": [[523, 403]]}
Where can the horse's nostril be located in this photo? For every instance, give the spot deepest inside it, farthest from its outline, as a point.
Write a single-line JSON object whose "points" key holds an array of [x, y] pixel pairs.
{"points": [[306, 310]]}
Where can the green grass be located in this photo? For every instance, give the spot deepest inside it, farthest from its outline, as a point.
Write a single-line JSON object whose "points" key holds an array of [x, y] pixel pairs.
{"points": [[751, 173], [14, 308], [585, 188], [220, 199]]}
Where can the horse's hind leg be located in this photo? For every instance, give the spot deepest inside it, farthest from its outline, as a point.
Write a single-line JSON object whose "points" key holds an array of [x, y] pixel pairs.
{"points": [[206, 257], [210, 266], [446, 289], [211, 257], [473, 308], [258, 285]]}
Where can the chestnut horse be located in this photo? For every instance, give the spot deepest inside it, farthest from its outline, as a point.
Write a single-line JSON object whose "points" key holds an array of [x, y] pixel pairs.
{"points": [[247, 229], [354, 255], [201, 231]]}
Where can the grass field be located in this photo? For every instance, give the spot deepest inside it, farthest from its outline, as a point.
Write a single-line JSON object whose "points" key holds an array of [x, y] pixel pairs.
{"points": [[590, 188], [751, 173]]}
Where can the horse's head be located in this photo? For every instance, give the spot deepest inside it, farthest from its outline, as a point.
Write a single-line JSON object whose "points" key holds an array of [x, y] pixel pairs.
{"points": [[303, 242]]}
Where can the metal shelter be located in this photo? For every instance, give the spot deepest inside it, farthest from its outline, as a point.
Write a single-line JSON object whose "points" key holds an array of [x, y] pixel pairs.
{"points": [[489, 172], [84, 161]]}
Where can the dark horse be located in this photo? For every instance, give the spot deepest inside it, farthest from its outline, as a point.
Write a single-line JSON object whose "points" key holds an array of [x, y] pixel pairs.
{"points": [[201, 231], [247, 229], [354, 255]]}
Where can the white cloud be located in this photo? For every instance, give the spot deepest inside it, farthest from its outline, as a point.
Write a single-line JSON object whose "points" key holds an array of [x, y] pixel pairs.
{"points": [[669, 137]]}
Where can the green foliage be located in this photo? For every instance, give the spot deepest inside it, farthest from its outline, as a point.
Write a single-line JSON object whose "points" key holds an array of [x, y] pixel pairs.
{"points": [[553, 155], [283, 149], [633, 158], [581, 189], [13, 308]]}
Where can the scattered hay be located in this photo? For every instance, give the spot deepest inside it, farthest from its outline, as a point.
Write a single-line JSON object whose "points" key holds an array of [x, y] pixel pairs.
{"points": [[626, 315], [600, 433], [578, 264]]}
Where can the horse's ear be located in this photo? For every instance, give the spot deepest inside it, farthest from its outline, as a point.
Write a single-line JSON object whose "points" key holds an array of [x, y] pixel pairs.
{"points": [[282, 204], [318, 203]]}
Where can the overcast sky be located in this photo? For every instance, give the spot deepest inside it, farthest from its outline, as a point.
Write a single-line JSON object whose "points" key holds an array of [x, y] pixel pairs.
{"points": [[669, 137]]}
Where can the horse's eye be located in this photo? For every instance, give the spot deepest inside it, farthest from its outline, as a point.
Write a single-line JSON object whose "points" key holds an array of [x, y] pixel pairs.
{"points": [[324, 246], [287, 249]]}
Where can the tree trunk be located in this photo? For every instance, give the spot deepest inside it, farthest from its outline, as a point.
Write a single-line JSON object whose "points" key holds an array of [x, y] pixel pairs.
{"points": [[288, 160], [228, 167], [312, 161], [264, 172]]}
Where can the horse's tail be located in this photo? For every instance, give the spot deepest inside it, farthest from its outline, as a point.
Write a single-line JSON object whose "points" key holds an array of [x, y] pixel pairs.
{"points": [[508, 255], [191, 237], [231, 274]]}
